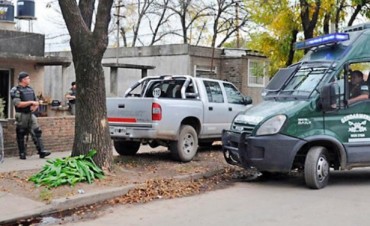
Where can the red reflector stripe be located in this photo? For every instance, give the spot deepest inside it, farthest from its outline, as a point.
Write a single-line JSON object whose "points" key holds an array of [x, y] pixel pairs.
{"points": [[121, 119]]}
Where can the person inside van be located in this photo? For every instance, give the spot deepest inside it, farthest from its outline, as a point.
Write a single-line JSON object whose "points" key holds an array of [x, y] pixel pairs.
{"points": [[359, 90]]}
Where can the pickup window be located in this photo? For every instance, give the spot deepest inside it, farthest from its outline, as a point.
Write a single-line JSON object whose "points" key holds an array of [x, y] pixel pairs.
{"points": [[168, 88], [214, 92], [233, 95]]}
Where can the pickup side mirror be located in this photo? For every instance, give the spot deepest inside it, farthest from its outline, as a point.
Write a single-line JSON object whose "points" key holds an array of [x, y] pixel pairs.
{"points": [[328, 98], [247, 100]]}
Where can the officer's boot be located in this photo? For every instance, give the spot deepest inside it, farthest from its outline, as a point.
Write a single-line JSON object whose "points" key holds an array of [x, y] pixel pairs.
{"points": [[21, 144], [38, 142]]}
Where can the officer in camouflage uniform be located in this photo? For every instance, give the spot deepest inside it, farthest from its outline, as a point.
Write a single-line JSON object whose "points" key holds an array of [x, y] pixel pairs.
{"points": [[71, 97], [25, 103]]}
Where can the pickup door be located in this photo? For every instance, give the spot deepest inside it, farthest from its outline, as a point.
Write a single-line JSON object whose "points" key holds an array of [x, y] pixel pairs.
{"points": [[222, 103]]}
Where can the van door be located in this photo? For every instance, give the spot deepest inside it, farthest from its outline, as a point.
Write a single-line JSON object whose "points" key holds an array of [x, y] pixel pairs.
{"points": [[351, 124], [352, 127]]}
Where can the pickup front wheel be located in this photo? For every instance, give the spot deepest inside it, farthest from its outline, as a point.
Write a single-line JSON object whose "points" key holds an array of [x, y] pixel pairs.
{"points": [[126, 147], [316, 168], [185, 148]]}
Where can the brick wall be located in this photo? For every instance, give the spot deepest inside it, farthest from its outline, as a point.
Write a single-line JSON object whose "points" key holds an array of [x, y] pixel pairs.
{"points": [[232, 71], [57, 134]]}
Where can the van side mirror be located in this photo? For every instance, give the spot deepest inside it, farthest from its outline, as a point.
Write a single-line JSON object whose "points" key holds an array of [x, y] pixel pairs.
{"points": [[329, 100], [247, 100]]}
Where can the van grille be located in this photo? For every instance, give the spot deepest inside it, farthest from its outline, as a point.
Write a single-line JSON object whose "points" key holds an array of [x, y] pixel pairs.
{"points": [[241, 127]]}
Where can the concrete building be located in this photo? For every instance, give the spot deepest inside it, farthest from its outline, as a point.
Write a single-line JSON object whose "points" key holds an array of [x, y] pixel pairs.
{"points": [[52, 75], [124, 66], [24, 51]]}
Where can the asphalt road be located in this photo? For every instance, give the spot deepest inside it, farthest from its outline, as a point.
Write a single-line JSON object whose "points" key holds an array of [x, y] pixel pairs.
{"points": [[282, 201]]}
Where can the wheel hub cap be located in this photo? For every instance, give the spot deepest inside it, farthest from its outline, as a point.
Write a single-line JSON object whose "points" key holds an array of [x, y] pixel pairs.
{"points": [[322, 168], [188, 143]]}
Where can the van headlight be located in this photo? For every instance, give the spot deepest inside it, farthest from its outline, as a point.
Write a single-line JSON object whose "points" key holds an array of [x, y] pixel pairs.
{"points": [[272, 125]]}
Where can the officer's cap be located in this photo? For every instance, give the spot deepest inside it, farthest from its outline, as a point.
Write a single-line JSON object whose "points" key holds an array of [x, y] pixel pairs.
{"points": [[22, 75]]}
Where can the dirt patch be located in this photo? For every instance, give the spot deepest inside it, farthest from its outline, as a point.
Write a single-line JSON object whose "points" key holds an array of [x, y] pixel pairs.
{"points": [[141, 168]]}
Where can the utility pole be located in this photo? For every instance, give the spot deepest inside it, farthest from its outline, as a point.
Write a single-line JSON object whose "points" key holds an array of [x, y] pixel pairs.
{"points": [[237, 24], [114, 70], [118, 12]]}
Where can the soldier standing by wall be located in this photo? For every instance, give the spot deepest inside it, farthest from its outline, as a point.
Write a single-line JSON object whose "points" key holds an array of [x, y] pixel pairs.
{"points": [[25, 103], [71, 97]]}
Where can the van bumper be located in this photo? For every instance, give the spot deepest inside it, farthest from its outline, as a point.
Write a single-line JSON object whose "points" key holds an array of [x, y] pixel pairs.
{"points": [[271, 153]]}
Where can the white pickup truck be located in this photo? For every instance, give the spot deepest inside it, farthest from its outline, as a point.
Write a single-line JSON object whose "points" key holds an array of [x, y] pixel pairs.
{"points": [[179, 112]]}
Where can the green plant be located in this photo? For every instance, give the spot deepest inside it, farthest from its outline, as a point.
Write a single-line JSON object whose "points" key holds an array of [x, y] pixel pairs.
{"points": [[69, 170]]}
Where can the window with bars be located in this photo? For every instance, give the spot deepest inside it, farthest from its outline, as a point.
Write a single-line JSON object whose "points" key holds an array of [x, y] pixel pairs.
{"points": [[256, 73]]}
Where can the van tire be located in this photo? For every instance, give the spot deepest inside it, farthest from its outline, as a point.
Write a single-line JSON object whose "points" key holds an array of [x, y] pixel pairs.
{"points": [[185, 148], [317, 168], [126, 147]]}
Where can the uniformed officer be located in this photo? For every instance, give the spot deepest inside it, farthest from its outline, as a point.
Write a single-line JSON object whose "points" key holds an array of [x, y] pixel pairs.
{"points": [[71, 97], [359, 90], [25, 103]]}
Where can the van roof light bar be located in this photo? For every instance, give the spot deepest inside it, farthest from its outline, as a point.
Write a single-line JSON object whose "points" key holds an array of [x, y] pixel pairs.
{"points": [[358, 27], [322, 40]]}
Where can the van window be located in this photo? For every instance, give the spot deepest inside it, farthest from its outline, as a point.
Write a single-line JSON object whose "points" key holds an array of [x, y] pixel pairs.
{"points": [[358, 82]]}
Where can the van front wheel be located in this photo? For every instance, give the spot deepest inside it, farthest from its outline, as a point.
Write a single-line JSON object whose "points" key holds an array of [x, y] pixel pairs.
{"points": [[185, 148], [317, 168]]}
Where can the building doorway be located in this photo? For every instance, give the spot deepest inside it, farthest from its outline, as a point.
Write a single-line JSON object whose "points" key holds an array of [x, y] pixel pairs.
{"points": [[4, 91]]}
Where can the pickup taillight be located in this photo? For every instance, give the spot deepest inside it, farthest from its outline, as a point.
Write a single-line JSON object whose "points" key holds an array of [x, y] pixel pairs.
{"points": [[156, 112]]}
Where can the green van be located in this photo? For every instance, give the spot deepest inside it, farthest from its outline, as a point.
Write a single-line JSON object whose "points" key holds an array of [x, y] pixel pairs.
{"points": [[314, 116]]}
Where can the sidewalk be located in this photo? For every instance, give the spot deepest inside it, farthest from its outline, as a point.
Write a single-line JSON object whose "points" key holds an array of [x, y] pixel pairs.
{"points": [[13, 208]]}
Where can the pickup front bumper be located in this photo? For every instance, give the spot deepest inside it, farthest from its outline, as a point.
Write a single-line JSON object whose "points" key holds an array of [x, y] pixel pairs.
{"points": [[272, 153]]}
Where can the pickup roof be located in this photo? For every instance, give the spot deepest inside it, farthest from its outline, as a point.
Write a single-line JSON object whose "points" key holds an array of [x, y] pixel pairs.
{"points": [[179, 112]]}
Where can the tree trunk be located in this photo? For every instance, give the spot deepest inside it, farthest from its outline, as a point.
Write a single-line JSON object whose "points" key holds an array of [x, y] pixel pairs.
{"points": [[291, 47], [355, 13], [88, 47], [91, 127], [326, 25]]}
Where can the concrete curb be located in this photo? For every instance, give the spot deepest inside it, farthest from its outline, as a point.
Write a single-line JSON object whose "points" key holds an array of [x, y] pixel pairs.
{"points": [[58, 205], [88, 199]]}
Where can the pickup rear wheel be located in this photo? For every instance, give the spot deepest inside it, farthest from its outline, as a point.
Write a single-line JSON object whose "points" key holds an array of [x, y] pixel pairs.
{"points": [[185, 148], [317, 168], [126, 147]]}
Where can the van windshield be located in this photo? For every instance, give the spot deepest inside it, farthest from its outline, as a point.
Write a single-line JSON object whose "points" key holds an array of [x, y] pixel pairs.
{"points": [[303, 83]]}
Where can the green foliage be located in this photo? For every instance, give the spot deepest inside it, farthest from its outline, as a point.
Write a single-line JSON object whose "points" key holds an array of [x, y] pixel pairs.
{"points": [[69, 170]]}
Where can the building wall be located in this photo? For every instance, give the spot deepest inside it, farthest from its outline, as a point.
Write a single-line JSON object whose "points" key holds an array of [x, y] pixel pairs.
{"points": [[54, 81], [177, 64], [167, 59], [57, 135], [37, 82], [16, 42]]}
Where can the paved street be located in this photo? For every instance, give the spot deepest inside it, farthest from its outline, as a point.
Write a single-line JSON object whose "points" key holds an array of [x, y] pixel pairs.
{"points": [[277, 202]]}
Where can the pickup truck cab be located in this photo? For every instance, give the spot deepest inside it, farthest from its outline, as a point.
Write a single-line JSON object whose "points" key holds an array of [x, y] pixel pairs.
{"points": [[180, 112], [311, 119]]}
